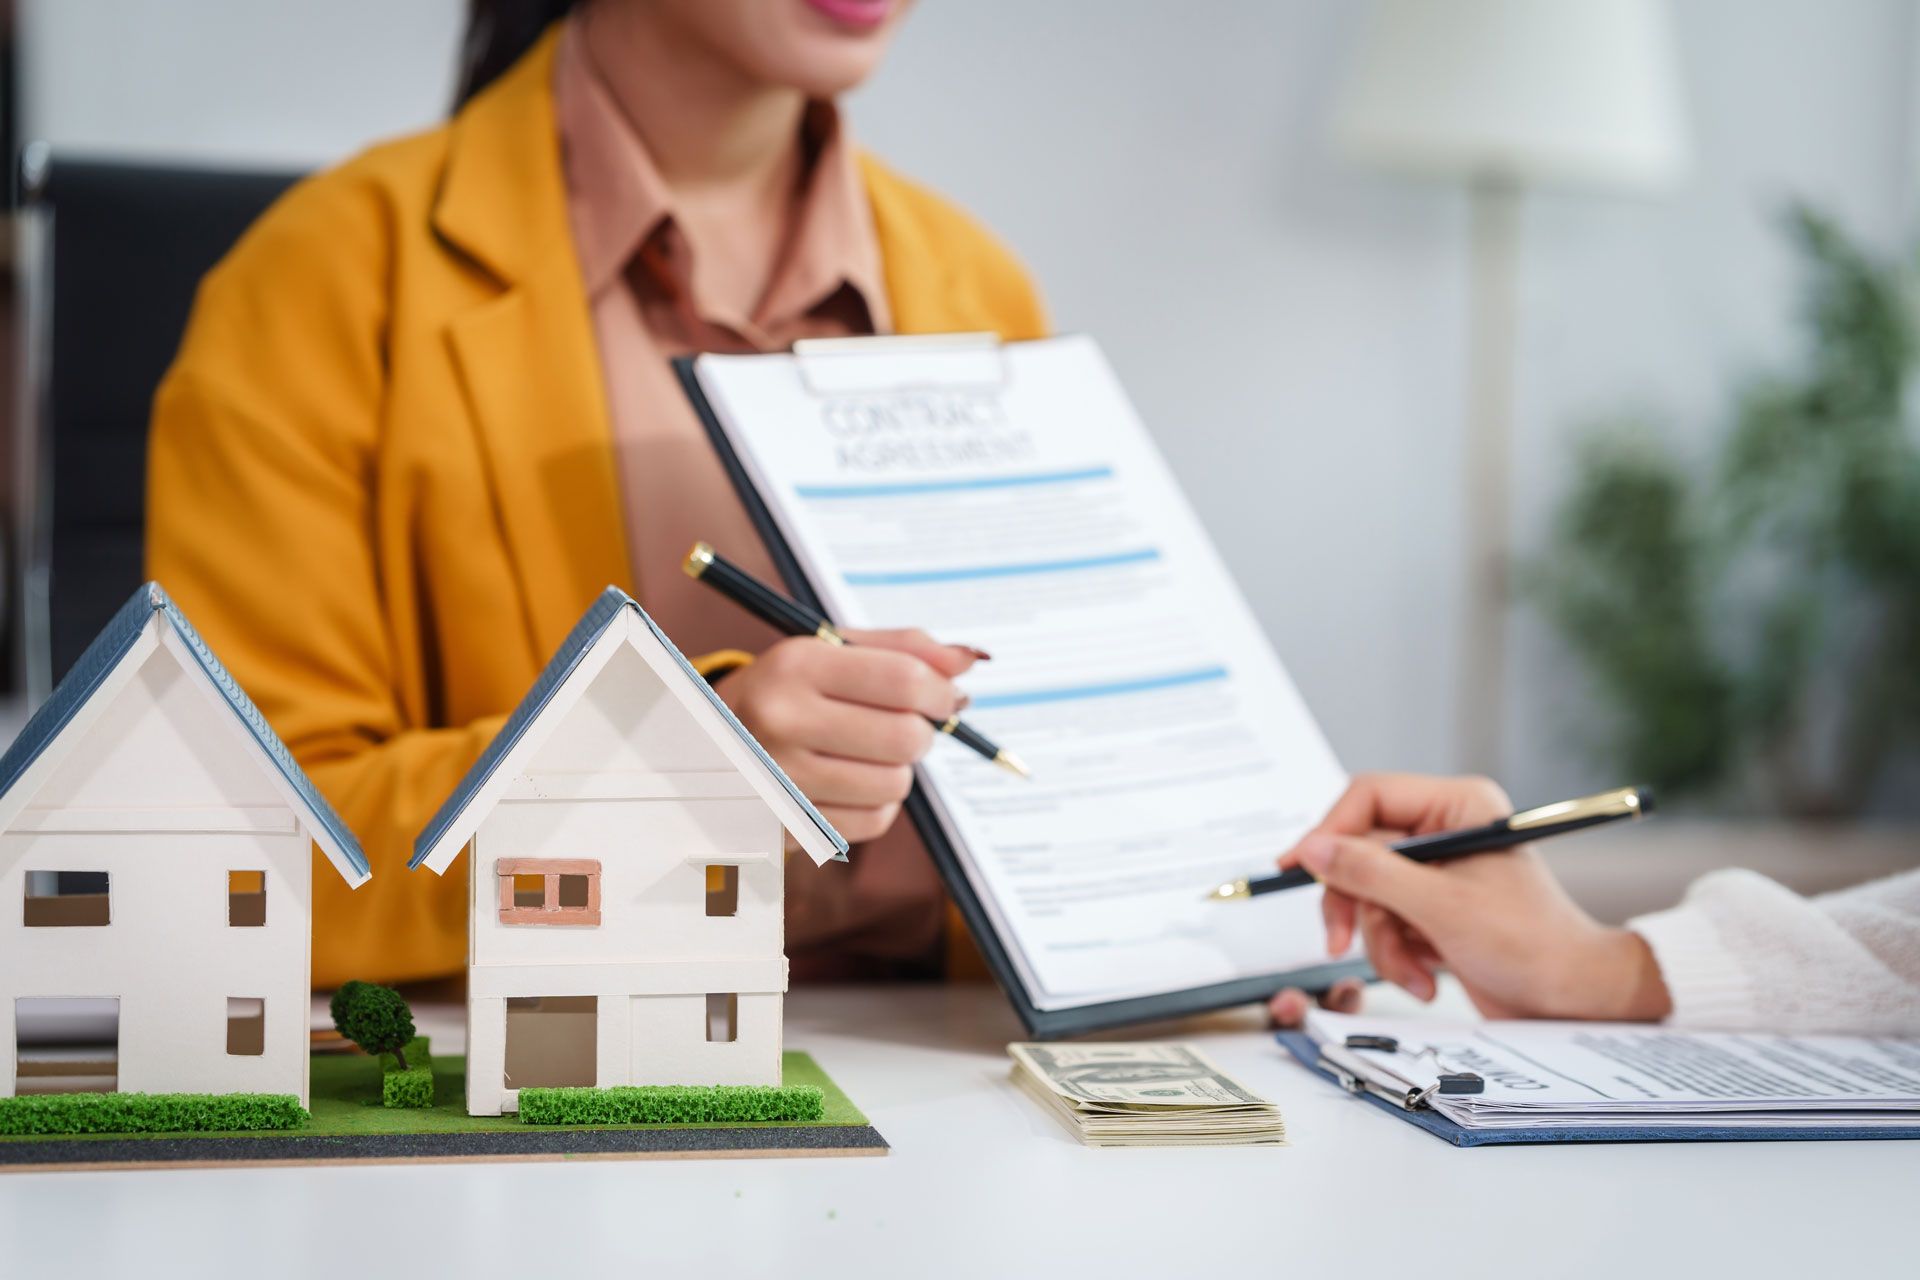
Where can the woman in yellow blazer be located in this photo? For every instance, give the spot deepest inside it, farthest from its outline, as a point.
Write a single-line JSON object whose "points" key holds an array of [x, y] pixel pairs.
{"points": [[415, 426]]}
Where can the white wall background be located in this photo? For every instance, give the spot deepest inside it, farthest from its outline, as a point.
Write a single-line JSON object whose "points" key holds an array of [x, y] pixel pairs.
{"points": [[1290, 327], [251, 81]]}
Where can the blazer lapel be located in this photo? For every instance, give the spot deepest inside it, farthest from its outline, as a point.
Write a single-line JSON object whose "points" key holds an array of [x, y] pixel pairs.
{"points": [[527, 358], [532, 377]]}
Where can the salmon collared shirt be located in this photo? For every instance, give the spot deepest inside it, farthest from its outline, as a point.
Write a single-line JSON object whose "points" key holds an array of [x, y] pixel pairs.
{"points": [[884, 912]]}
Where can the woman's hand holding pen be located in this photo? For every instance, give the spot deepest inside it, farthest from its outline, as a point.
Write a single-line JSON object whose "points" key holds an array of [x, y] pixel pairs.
{"points": [[1499, 922], [847, 721]]}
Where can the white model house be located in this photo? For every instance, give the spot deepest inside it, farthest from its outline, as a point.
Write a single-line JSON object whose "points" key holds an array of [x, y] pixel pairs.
{"points": [[627, 876], [156, 864]]}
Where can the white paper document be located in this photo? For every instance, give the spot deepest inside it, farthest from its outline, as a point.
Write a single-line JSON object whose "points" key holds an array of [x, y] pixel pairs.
{"points": [[1009, 498], [1605, 1074]]}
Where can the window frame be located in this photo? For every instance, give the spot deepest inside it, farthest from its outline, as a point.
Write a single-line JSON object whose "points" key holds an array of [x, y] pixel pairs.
{"points": [[726, 893], [245, 1022], [549, 912], [232, 898], [58, 904], [727, 1013]]}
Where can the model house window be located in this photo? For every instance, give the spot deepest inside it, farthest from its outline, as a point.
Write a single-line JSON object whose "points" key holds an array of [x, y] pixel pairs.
{"points": [[723, 1017], [58, 899], [723, 890], [246, 899], [86, 1056], [246, 1026], [550, 891]]}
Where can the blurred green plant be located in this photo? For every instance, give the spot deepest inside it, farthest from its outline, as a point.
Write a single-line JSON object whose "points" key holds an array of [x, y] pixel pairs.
{"points": [[1758, 625]]}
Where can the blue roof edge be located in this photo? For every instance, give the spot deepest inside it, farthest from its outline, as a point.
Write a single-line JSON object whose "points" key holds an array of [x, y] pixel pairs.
{"points": [[104, 654], [573, 649]]}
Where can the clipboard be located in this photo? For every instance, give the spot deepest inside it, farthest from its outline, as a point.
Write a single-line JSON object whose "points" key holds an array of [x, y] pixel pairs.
{"points": [[1307, 1053], [977, 358]]}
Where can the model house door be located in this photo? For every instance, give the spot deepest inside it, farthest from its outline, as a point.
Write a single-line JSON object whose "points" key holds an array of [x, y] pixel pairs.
{"points": [[552, 1041]]}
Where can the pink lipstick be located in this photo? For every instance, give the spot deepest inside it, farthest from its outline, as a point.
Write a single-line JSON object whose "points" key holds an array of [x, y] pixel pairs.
{"points": [[862, 14]]}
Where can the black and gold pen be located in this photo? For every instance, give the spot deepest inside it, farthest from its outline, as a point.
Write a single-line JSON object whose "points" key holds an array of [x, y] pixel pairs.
{"points": [[1521, 828], [706, 565]]}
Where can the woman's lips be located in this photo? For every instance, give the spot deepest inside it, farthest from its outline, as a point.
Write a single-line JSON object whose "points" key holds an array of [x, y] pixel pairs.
{"points": [[864, 14]]}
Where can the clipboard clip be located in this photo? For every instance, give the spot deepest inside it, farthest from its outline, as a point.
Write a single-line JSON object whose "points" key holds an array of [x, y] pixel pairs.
{"points": [[1449, 1083], [901, 362], [1343, 1077], [1453, 1083]]}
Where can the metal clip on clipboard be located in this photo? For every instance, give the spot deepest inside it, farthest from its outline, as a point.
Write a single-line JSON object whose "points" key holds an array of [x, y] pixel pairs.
{"points": [[912, 362], [1397, 1091]]}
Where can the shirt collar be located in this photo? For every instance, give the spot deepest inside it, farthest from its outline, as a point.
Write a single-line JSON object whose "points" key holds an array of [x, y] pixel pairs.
{"points": [[617, 200]]}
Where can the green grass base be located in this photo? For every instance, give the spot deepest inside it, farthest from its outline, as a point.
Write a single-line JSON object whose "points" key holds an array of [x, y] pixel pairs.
{"points": [[345, 1099]]}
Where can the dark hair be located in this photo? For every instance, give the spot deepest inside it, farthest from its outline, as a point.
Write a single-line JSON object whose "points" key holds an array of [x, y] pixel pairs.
{"points": [[498, 32]]}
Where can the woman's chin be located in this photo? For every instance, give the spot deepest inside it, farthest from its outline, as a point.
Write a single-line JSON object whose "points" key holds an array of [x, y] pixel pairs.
{"points": [[837, 43], [824, 68]]}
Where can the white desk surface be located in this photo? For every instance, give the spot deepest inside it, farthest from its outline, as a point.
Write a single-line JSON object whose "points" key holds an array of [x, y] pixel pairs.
{"points": [[981, 1182]]}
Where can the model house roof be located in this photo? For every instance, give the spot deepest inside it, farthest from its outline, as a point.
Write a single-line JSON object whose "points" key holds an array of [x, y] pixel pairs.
{"points": [[461, 815], [44, 738]]}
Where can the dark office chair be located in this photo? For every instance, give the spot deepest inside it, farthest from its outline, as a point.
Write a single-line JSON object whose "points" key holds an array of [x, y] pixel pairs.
{"points": [[114, 252]]}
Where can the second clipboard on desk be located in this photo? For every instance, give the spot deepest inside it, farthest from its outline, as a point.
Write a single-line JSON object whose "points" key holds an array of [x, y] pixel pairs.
{"points": [[1477, 1083]]}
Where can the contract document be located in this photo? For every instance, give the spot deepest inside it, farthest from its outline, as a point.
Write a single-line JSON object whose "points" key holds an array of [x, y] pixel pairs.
{"points": [[1008, 497], [1587, 1075]]}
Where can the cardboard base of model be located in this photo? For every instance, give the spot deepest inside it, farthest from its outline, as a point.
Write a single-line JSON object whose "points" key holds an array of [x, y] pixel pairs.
{"points": [[347, 1123]]}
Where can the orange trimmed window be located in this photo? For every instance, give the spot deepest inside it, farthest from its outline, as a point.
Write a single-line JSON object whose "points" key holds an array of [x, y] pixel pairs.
{"points": [[549, 890]]}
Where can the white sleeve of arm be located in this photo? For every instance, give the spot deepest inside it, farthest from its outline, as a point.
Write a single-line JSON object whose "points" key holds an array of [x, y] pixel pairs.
{"points": [[1742, 952]]}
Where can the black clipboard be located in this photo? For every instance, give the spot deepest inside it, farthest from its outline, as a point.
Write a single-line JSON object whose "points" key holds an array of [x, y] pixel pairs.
{"points": [[1041, 1024]]}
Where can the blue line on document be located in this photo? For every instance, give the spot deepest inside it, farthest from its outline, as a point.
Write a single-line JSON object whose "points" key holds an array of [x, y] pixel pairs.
{"points": [[950, 486], [911, 576], [1069, 693]]}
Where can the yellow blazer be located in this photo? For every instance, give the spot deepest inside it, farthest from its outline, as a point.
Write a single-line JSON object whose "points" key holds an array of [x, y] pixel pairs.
{"points": [[381, 478]]}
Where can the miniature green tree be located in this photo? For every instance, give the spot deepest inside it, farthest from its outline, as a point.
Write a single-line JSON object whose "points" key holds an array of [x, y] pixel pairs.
{"points": [[374, 1017], [337, 1006]]}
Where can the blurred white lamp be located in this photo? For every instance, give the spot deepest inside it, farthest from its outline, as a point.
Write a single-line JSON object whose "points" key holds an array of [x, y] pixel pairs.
{"points": [[1500, 94]]}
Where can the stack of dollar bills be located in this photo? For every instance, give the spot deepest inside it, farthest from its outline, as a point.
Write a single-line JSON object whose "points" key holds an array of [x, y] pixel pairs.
{"points": [[1145, 1095]]}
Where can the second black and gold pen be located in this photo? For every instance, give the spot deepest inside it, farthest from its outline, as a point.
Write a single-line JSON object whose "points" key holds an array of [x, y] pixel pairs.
{"points": [[704, 564], [1622, 804]]}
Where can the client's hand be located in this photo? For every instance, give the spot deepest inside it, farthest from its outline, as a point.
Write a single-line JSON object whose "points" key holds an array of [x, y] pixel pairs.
{"points": [[1289, 1007], [847, 722], [1499, 921]]}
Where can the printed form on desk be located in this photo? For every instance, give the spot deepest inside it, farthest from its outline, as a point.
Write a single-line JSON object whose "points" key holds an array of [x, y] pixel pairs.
{"points": [[1008, 497], [1538, 1075]]}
